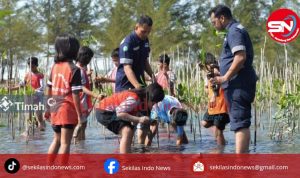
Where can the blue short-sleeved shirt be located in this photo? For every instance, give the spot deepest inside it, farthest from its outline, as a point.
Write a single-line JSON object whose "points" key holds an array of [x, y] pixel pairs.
{"points": [[135, 52], [162, 110], [237, 39]]}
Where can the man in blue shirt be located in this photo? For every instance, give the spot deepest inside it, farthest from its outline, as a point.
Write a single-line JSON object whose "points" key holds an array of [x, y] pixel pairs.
{"points": [[238, 77], [134, 52]]}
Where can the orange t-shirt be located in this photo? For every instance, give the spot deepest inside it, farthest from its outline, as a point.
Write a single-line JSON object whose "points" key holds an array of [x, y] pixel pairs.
{"points": [[64, 80], [221, 106], [126, 101]]}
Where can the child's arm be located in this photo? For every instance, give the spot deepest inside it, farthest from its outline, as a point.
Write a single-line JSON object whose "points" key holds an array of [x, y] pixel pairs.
{"points": [[76, 100], [105, 80], [15, 88], [212, 101], [131, 118], [151, 134], [76, 87], [148, 78], [206, 85], [90, 93], [126, 107]]}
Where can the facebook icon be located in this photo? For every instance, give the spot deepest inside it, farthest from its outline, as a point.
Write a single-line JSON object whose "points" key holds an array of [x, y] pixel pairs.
{"points": [[111, 166]]}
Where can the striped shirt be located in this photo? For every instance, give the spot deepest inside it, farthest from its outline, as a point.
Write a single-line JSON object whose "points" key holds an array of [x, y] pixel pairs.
{"points": [[122, 102]]}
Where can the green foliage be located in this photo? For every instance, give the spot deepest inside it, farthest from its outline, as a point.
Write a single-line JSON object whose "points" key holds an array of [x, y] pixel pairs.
{"points": [[3, 14], [3, 91], [182, 92], [26, 29], [167, 31]]}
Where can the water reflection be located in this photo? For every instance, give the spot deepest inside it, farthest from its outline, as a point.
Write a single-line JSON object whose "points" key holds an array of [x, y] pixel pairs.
{"points": [[104, 142]]}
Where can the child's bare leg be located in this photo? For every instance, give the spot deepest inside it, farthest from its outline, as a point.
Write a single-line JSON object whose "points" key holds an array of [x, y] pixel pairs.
{"points": [[219, 137], [184, 138], [206, 124], [126, 139], [65, 140], [83, 130], [142, 133], [40, 120], [54, 147]]}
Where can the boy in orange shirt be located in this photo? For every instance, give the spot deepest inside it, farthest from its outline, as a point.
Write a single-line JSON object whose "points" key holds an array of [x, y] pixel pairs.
{"points": [[216, 114]]}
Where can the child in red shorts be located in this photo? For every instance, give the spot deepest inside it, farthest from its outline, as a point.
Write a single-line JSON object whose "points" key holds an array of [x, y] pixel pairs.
{"points": [[64, 86]]}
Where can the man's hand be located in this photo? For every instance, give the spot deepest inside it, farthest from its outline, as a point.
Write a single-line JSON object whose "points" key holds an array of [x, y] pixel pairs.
{"points": [[131, 76], [218, 80]]}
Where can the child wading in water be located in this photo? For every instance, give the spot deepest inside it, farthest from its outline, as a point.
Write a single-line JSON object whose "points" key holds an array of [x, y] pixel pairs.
{"points": [[33, 79], [169, 110], [64, 86], [84, 57], [119, 111], [111, 76], [216, 114], [165, 77]]}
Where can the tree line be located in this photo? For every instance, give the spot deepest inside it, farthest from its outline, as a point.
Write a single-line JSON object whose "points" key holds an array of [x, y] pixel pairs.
{"points": [[30, 27]]}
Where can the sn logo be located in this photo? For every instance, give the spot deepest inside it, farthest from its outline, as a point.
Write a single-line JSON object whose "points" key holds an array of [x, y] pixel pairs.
{"points": [[280, 26]]}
